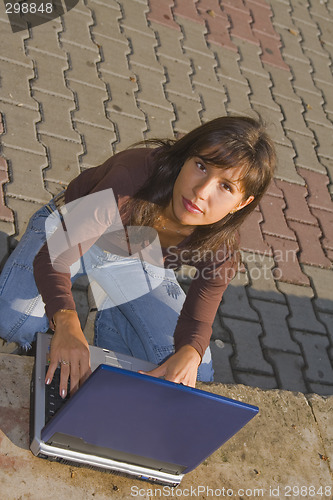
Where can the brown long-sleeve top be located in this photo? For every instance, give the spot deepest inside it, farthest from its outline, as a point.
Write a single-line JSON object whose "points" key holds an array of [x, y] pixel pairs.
{"points": [[125, 173]]}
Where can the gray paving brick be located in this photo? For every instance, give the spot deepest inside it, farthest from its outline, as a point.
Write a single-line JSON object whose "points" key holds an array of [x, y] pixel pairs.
{"points": [[33, 166], [322, 70], [135, 15], [151, 88], [97, 144], [145, 58], [23, 211], [221, 353], [250, 57], [327, 91], [302, 315], [83, 64], [50, 74], [325, 139], [260, 90], [300, 11], [263, 285], [228, 64], [178, 77], [113, 55], [213, 102], [289, 370], [235, 301], [219, 332], [322, 280], [76, 29], [302, 72], [281, 83], [12, 47], [187, 112], [63, 161], [310, 36], [285, 166], [123, 100], [90, 105], [45, 38], [238, 96], [294, 120], [281, 13], [274, 320], [305, 152], [20, 129], [159, 120], [249, 356], [319, 368], [107, 18], [291, 42], [167, 45], [12, 93], [321, 389], [56, 116], [262, 381], [327, 319], [194, 37], [123, 125]]}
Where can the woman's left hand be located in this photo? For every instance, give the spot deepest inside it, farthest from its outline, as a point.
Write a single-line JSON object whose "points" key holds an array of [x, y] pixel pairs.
{"points": [[181, 367]]}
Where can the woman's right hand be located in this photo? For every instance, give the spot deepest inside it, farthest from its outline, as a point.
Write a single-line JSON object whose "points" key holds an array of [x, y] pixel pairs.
{"points": [[70, 349]]}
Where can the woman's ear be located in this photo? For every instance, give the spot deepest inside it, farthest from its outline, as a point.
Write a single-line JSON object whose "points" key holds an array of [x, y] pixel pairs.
{"points": [[244, 203]]}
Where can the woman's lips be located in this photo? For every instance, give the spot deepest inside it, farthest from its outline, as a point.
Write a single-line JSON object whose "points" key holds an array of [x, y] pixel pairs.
{"points": [[191, 207]]}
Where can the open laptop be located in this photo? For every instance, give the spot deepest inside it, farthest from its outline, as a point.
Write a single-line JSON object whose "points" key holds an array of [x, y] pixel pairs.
{"points": [[123, 421]]}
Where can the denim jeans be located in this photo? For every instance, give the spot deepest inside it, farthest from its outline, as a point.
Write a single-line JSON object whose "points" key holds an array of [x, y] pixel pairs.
{"points": [[139, 313]]}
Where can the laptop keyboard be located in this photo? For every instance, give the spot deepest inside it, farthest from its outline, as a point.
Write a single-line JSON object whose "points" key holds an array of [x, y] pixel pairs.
{"points": [[53, 400]]}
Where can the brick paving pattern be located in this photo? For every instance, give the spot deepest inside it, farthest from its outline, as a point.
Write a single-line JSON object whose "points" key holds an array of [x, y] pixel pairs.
{"points": [[109, 73]]}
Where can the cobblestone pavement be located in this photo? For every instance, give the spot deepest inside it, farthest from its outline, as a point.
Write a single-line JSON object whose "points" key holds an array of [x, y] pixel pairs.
{"points": [[109, 73]]}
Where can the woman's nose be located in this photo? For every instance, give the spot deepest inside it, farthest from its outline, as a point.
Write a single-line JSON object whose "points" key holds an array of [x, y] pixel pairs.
{"points": [[202, 190]]}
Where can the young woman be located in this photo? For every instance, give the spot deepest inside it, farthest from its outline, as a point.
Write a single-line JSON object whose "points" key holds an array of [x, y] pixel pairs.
{"points": [[193, 193]]}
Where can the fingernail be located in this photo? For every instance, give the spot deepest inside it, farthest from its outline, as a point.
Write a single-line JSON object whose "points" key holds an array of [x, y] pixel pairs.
{"points": [[63, 393], [48, 381]]}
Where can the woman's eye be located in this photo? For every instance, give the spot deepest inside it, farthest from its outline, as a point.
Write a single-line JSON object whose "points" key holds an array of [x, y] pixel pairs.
{"points": [[201, 166], [226, 186]]}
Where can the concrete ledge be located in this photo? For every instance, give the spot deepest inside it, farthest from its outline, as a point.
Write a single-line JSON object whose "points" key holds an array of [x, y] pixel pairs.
{"points": [[289, 444]]}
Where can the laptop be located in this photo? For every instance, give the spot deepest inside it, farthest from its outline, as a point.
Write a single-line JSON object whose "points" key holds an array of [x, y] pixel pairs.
{"points": [[126, 422]]}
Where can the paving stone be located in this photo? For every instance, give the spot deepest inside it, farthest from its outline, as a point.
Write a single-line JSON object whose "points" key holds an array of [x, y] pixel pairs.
{"points": [[219, 332], [90, 106], [300, 301], [187, 10], [5, 213], [204, 70], [235, 301], [23, 211], [83, 67], [289, 370], [322, 71], [18, 119], [285, 169], [326, 90], [319, 196], [178, 77], [63, 160], [251, 236], [322, 280], [12, 93], [271, 52], [327, 319], [240, 23], [124, 124], [275, 223], [274, 320], [281, 83], [228, 65], [302, 72], [221, 353], [194, 37], [151, 88], [50, 74], [145, 58], [33, 166], [294, 119], [314, 107], [306, 156], [56, 116], [321, 389], [285, 256], [12, 47], [319, 367], [169, 46], [262, 283], [76, 29], [159, 120], [296, 203], [45, 39], [107, 17], [238, 96], [325, 139], [160, 12], [260, 90], [187, 112], [213, 102], [97, 144], [249, 354], [262, 22], [281, 14], [274, 190], [325, 219], [292, 44], [217, 22], [308, 238], [310, 35], [265, 382], [123, 100]]}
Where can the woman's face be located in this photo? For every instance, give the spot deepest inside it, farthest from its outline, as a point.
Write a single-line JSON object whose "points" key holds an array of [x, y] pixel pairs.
{"points": [[204, 194]]}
